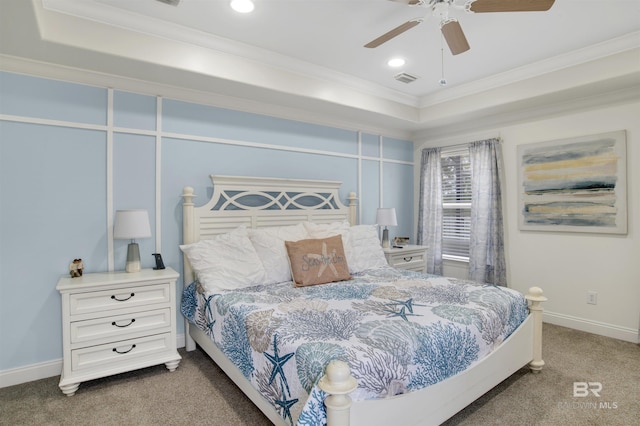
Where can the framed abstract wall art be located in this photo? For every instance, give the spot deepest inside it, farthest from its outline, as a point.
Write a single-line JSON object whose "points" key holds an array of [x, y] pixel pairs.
{"points": [[574, 185]]}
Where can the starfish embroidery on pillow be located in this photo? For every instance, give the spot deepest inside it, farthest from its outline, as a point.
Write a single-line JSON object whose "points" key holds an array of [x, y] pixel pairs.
{"points": [[325, 260]]}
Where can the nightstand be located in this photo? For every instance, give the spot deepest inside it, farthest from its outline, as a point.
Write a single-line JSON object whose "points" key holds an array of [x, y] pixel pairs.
{"points": [[409, 257], [114, 322]]}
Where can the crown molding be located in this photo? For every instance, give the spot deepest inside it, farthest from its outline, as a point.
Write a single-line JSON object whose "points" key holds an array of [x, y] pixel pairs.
{"points": [[574, 58], [616, 91], [119, 18]]}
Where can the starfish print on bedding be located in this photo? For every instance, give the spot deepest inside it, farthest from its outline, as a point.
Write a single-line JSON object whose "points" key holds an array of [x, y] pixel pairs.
{"points": [[402, 313], [325, 260], [286, 405], [407, 303], [278, 362], [209, 315]]}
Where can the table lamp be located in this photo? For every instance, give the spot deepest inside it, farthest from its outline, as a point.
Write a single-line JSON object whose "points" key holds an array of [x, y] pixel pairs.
{"points": [[129, 225], [386, 217]]}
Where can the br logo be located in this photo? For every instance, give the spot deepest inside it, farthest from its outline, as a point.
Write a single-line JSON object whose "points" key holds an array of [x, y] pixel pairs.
{"points": [[582, 389]]}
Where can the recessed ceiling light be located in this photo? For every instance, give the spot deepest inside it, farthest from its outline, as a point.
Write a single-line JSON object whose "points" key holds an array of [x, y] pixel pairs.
{"points": [[395, 62], [242, 6]]}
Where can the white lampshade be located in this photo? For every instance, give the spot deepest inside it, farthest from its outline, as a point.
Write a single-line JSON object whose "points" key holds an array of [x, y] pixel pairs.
{"points": [[131, 224], [386, 217]]}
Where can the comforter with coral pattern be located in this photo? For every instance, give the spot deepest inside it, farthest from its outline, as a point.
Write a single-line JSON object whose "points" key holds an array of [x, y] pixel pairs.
{"points": [[399, 331]]}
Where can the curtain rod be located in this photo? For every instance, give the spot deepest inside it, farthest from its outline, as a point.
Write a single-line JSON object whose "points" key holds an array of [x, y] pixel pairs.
{"points": [[464, 144]]}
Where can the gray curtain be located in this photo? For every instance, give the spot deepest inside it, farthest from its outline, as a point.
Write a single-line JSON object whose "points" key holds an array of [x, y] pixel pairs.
{"points": [[430, 209], [486, 248]]}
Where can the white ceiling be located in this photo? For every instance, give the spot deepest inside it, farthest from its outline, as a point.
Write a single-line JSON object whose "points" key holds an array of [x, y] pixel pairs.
{"points": [[314, 48]]}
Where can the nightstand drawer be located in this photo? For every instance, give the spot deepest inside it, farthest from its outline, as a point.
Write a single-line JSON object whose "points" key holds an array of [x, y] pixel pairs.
{"points": [[120, 327], [90, 302], [407, 260], [411, 257], [122, 352]]}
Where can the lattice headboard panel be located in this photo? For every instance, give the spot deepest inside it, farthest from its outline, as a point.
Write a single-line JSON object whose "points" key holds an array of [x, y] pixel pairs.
{"points": [[261, 202]]}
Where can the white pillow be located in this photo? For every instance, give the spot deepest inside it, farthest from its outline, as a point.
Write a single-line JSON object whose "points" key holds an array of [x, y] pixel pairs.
{"points": [[269, 245], [225, 262], [325, 230], [365, 249]]}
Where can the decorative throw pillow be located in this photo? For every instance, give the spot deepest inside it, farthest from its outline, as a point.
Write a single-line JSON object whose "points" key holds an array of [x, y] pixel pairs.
{"points": [[269, 244], [325, 230], [365, 251], [317, 261], [225, 262]]}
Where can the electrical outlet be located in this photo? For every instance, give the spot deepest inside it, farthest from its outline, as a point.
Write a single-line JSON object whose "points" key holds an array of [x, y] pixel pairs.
{"points": [[592, 297]]}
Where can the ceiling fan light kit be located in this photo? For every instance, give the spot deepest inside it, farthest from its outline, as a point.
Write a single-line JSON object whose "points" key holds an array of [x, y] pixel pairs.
{"points": [[450, 27]]}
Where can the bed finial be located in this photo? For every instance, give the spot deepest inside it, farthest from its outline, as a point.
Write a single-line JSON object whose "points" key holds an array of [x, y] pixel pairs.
{"points": [[535, 298], [353, 206], [338, 383], [188, 195]]}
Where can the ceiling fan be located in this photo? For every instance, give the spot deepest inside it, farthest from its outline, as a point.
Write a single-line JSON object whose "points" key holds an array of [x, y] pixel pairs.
{"points": [[450, 27]]}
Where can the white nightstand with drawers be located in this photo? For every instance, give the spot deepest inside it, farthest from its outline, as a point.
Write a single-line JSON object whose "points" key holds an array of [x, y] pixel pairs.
{"points": [[411, 257], [114, 322]]}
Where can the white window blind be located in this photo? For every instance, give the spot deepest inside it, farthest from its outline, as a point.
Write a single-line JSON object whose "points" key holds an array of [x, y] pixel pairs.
{"points": [[456, 203]]}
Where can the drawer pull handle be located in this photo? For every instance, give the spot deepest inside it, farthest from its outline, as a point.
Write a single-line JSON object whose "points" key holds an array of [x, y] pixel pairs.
{"points": [[122, 300], [125, 352], [126, 325], [408, 259]]}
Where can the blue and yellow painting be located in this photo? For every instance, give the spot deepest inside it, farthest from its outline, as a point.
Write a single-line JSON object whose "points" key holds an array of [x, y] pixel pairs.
{"points": [[574, 185]]}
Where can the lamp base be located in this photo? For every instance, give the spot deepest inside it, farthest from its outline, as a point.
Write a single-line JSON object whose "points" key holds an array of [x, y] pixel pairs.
{"points": [[133, 258], [385, 238]]}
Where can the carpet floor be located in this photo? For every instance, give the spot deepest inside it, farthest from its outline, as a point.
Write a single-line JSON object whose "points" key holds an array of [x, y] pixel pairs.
{"points": [[198, 392]]}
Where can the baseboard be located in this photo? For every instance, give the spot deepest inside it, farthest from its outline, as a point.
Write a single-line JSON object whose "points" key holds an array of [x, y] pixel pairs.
{"points": [[594, 327], [29, 373], [43, 370], [180, 340]]}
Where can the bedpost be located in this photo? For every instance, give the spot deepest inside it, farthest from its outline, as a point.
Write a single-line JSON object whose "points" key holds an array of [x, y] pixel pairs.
{"points": [[187, 238], [535, 299], [353, 208], [338, 383]]}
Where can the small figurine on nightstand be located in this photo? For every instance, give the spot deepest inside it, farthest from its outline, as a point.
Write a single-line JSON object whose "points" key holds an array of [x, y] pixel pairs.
{"points": [[75, 268]]}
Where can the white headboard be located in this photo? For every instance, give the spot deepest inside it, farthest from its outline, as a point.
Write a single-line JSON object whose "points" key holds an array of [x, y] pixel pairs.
{"points": [[259, 202]]}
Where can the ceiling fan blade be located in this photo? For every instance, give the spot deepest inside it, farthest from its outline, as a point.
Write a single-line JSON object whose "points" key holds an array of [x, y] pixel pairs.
{"points": [[453, 34], [484, 6], [393, 33]]}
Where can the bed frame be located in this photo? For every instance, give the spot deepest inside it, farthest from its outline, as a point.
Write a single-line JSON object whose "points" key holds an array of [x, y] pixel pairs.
{"points": [[261, 202]]}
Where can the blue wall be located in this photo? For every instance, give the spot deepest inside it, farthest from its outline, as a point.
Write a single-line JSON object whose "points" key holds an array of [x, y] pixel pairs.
{"points": [[66, 165]]}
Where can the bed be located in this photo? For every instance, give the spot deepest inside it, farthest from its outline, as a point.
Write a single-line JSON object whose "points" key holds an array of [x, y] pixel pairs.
{"points": [[378, 346]]}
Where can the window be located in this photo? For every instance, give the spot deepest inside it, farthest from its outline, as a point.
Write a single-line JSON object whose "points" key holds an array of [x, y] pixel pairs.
{"points": [[456, 203]]}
